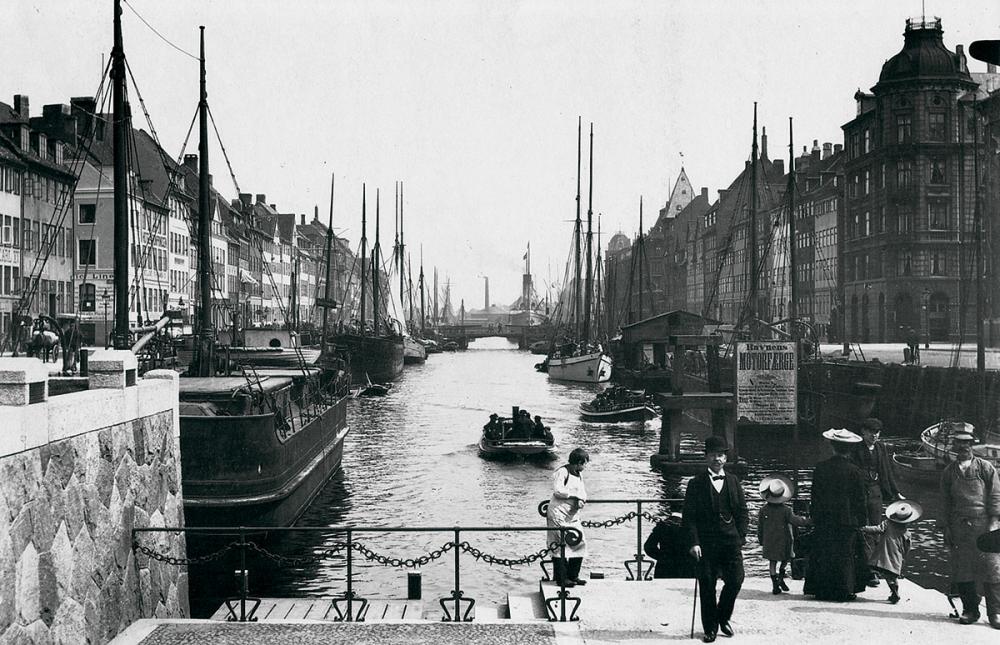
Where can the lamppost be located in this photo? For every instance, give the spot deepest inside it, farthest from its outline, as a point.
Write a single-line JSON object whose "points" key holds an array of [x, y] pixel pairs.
{"points": [[925, 298], [106, 301]]}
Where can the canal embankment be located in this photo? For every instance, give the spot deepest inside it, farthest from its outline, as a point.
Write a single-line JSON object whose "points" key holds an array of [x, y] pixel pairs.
{"points": [[615, 611], [78, 472]]}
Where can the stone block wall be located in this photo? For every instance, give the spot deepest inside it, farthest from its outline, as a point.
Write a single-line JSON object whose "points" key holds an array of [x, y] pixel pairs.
{"points": [[95, 465]]}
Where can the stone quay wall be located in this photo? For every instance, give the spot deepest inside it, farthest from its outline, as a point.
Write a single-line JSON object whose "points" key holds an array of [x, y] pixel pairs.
{"points": [[78, 472]]}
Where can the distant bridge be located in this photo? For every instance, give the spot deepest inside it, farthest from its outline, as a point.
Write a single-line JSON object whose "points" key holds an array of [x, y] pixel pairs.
{"points": [[473, 330]]}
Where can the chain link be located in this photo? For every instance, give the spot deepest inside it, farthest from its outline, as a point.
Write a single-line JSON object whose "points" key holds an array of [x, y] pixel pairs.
{"points": [[615, 521], [169, 559], [296, 562], [489, 558], [400, 562]]}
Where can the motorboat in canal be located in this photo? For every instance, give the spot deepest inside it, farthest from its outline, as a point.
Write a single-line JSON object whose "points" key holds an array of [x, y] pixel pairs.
{"points": [[580, 367], [620, 404], [515, 436]]}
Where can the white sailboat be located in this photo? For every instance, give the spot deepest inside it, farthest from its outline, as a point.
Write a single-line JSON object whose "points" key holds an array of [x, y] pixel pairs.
{"points": [[582, 362]]}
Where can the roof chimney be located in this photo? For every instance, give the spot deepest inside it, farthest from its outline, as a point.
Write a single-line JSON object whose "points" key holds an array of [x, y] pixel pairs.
{"points": [[838, 148], [779, 166], [704, 192], [261, 198], [21, 106], [245, 199], [302, 221], [827, 149], [815, 152], [763, 142]]}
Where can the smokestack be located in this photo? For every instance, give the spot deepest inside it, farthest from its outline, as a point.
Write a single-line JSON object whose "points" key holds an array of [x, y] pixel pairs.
{"points": [[487, 292], [303, 220], [763, 143], [316, 213]]}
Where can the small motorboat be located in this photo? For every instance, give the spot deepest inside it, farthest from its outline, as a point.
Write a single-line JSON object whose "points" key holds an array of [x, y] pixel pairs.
{"points": [[515, 436], [620, 404], [540, 347], [450, 346], [371, 389], [917, 468]]}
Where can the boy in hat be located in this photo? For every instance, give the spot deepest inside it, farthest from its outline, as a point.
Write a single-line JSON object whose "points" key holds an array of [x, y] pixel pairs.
{"points": [[894, 543], [774, 527], [715, 515]]}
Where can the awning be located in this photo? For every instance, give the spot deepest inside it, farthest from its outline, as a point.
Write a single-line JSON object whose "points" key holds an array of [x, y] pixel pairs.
{"points": [[246, 278]]}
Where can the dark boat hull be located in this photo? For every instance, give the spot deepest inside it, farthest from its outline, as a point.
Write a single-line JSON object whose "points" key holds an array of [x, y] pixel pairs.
{"points": [[640, 412], [238, 471], [380, 358]]}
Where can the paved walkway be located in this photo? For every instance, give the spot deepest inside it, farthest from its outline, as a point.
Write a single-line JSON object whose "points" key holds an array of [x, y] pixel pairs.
{"points": [[616, 611]]}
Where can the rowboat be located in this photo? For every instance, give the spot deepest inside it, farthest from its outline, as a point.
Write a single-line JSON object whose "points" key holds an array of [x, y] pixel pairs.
{"points": [[917, 468]]}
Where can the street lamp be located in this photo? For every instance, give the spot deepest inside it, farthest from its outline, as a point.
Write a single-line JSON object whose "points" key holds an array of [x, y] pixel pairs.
{"points": [[106, 299]]}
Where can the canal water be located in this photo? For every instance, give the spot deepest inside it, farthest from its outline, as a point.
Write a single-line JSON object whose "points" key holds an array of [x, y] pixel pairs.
{"points": [[411, 460]]}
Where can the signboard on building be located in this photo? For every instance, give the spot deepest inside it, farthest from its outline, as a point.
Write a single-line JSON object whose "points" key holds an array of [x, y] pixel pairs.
{"points": [[766, 382], [10, 256]]}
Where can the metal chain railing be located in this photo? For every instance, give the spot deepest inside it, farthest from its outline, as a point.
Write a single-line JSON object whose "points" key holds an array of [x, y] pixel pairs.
{"points": [[569, 536]]}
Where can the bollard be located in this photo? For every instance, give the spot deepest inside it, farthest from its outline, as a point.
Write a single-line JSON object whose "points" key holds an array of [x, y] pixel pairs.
{"points": [[84, 358], [413, 585]]}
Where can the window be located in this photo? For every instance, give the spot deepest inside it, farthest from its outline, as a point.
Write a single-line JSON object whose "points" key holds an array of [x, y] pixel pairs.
{"points": [[87, 252], [937, 264], [866, 224], [904, 171], [936, 126], [903, 125], [88, 213], [868, 140], [88, 297], [867, 182], [905, 223], [937, 215], [905, 263], [26, 235], [938, 170]]}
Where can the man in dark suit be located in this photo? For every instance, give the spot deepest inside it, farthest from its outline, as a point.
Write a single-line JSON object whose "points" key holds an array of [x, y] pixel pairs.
{"points": [[875, 462], [715, 516], [837, 569]]}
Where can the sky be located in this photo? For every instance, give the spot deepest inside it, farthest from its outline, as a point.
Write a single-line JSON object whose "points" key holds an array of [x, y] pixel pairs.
{"points": [[474, 104]]}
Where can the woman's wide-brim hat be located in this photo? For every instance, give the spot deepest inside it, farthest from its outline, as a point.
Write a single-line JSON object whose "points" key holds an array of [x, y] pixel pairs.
{"points": [[904, 511], [841, 435], [776, 488]]}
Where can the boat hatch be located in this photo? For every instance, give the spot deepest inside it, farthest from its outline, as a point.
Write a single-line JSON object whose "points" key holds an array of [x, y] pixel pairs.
{"points": [[213, 386]]}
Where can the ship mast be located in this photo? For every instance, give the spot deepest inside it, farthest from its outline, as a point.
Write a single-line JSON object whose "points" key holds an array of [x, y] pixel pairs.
{"points": [[423, 314], [376, 251], [328, 258], [793, 305], [576, 234], [402, 249], [590, 241], [120, 120], [206, 335], [640, 256], [364, 257], [752, 225]]}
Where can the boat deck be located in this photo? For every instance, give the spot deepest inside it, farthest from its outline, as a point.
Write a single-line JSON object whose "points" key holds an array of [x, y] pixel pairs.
{"points": [[195, 386]]}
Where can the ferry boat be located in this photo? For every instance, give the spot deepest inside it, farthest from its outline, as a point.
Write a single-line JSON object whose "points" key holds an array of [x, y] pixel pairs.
{"points": [[620, 404], [514, 436], [588, 367]]}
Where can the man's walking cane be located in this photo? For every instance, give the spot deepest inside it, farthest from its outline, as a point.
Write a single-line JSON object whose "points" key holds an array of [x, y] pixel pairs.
{"points": [[694, 606]]}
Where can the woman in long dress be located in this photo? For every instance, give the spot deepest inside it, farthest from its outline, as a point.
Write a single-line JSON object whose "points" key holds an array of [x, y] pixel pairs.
{"points": [[568, 496]]}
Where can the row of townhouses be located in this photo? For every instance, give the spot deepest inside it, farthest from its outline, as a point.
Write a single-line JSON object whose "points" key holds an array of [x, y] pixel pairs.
{"points": [[885, 223], [56, 251]]}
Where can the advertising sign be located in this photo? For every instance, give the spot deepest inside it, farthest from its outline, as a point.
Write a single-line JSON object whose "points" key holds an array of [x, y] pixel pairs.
{"points": [[766, 382]]}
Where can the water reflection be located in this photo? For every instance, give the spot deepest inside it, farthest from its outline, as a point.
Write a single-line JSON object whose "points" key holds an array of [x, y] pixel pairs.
{"points": [[411, 459]]}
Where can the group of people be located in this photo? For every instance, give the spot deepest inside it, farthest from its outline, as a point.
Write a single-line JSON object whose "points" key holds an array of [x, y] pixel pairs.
{"points": [[860, 523], [521, 427]]}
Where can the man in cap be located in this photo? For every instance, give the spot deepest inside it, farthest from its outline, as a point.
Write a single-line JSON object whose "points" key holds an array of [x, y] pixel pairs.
{"points": [[837, 569], [874, 460], [715, 516], [970, 507]]}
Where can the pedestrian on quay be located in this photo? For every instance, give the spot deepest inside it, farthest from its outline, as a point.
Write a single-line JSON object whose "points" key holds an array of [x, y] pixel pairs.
{"points": [[837, 569], [893, 543], [715, 515], [569, 495], [668, 545], [774, 527], [875, 462], [970, 496]]}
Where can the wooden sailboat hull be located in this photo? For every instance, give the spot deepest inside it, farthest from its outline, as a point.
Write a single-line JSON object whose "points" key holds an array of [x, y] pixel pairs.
{"points": [[587, 368], [378, 357], [413, 352]]}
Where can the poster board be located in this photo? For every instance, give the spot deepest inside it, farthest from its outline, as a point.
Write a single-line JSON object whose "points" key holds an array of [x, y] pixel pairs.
{"points": [[766, 382]]}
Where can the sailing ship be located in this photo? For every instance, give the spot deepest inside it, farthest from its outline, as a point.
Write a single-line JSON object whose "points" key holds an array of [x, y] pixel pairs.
{"points": [[582, 361], [255, 449], [374, 352], [413, 351]]}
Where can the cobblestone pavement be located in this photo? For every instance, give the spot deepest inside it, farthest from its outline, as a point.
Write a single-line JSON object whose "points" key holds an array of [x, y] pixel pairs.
{"points": [[335, 633]]}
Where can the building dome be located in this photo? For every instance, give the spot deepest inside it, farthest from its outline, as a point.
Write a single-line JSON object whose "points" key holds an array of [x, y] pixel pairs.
{"points": [[924, 56], [619, 242]]}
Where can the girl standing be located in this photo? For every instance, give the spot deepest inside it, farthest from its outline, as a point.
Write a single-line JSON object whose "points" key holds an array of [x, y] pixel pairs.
{"points": [[894, 543], [774, 527], [568, 497]]}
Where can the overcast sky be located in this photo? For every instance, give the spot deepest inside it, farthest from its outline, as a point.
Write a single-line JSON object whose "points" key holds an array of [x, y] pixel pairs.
{"points": [[474, 105]]}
